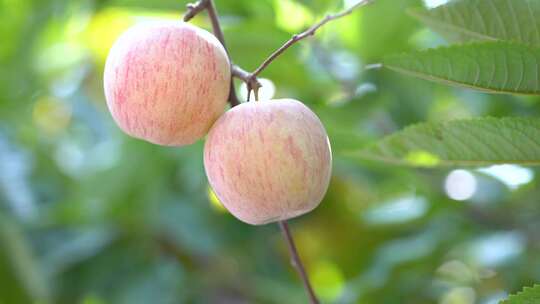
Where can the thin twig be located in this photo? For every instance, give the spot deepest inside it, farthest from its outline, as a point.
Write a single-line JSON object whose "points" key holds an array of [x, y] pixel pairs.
{"points": [[195, 8], [212, 13], [251, 78], [252, 83], [309, 32], [245, 76], [216, 27], [297, 262]]}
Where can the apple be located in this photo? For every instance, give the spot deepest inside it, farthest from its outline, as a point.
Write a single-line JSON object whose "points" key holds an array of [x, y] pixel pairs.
{"points": [[269, 160], [167, 82]]}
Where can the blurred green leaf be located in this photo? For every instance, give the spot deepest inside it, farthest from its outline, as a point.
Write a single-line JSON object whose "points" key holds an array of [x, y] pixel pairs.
{"points": [[508, 20], [118, 220], [21, 280], [388, 37], [302, 15], [345, 140], [494, 67], [472, 142], [91, 299], [529, 295]]}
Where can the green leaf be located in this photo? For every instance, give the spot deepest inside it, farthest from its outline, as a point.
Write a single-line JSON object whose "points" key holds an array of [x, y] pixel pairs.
{"points": [[21, 279], [469, 142], [495, 67], [508, 20], [529, 295]]}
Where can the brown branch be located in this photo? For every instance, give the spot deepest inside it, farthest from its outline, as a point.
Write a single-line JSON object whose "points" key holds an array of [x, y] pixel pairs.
{"points": [[245, 76], [251, 78], [195, 8], [216, 27], [252, 83], [309, 32], [297, 262]]}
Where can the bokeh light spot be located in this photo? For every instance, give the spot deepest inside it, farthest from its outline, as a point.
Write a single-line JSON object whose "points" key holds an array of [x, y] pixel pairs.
{"points": [[512, 176], [59, 57], [459, 295], [434, 3], [460, 185], [422, 158], [498, 248], [266, 92], [400, 210], [105, 27], [328, 280], [496, 297], [51, 115], [214, 201], [292, 16], [456, 271]]}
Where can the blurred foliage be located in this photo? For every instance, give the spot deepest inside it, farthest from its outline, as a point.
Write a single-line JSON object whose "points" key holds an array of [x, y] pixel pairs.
{"points": [[89, 215], [528, 295]]}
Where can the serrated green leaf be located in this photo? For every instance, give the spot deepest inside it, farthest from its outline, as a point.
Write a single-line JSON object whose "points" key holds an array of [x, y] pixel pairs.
{"points": [[495, 67], [469, 142], [508, 20], [529, 295]]}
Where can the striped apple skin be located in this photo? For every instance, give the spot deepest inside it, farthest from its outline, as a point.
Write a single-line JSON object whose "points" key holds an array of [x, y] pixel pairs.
{"points": [[166, 82], [268, 161]]}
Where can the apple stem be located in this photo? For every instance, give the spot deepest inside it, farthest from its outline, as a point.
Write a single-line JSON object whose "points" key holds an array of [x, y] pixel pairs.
{"points": [[297, 262], [194, 9], [251, 78], [253, 85]]}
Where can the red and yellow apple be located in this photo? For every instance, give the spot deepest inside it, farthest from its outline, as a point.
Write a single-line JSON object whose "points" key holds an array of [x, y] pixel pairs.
{"points": [[167, 82], [268, 161]]}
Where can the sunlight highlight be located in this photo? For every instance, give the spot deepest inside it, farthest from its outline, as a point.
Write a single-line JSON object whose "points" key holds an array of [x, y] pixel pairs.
{"points": [[328, 280], [512, 176], [434, 3], [498, 248], [460, 185], [51, 115], [266, 92], [422, 158], [286, 9], [400, 210], [214, 201], [459, 295]]}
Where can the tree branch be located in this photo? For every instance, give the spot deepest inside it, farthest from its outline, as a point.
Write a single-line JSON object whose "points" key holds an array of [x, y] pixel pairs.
{"points": [[297, 262], [195, 8], [251, 78], [309, 32], [252, 82]]}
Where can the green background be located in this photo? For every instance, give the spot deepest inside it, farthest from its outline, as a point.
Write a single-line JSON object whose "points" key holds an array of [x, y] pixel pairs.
{"points": [[89, 215]]}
